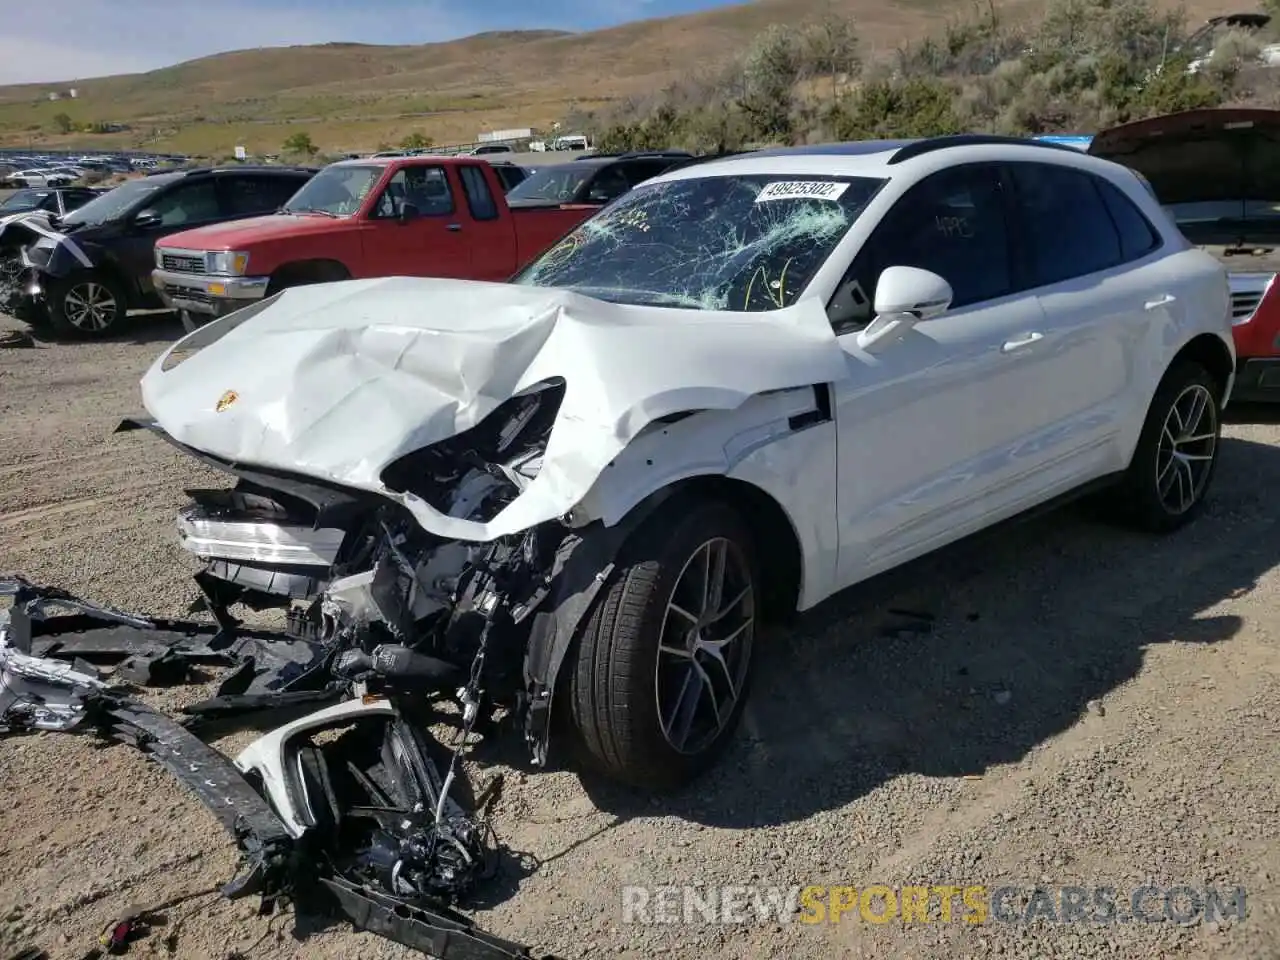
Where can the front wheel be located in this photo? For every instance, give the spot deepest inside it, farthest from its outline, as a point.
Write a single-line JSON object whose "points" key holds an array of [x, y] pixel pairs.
{"points": [[664, 660], [1173, 464], [86, 305]]}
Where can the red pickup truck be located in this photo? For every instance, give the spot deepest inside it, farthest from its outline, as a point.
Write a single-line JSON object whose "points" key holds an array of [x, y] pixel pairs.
{"points": [[400, 216]]}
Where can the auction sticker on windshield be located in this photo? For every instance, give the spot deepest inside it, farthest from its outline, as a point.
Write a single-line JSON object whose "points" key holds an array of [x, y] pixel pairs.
{"points": [[801, 190]]}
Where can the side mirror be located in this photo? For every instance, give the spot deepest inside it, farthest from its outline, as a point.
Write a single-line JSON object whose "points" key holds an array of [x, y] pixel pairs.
{"points": [[904, 297], [146, 219], [408, 211]]}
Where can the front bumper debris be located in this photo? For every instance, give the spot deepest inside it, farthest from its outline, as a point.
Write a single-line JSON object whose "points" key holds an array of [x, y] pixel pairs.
{"points": [[47, 683], [210, 296]]}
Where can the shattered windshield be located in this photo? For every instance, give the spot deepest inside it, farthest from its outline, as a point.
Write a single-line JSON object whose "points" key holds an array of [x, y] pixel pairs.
{"points": [[337, 191], [740, 243], [556, 184], [114, 202]]}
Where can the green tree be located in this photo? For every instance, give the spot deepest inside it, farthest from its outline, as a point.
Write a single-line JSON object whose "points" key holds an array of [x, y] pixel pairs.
{"points": [[300, 143], [62, 123], [416, 141]]}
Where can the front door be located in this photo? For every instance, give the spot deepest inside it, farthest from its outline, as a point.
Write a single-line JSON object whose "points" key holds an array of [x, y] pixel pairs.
{"points": [[928, 426], [433, 243], [185, 206]]}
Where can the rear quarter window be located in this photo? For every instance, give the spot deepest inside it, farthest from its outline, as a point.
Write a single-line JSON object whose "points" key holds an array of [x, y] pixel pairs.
{"points": [[1137, 236]]}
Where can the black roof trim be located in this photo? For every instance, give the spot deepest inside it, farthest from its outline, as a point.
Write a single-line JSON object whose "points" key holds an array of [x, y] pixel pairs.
{"points": [[639, 154], [238, 168], [930, 144]]}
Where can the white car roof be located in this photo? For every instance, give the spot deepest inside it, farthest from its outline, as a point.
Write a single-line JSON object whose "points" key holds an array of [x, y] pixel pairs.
{"points": [[880, 158]]}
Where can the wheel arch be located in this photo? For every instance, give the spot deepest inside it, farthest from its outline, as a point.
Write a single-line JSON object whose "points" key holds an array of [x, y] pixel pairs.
{"points": [[313, 270], [1213, 354], [779, 555]]}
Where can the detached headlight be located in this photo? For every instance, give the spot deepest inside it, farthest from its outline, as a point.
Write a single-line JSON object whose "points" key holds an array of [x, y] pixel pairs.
{"points": [[227, 264]]}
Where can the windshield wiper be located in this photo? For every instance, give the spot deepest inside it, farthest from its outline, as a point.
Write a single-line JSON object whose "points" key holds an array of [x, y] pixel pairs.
{"points": [[323, 213]]}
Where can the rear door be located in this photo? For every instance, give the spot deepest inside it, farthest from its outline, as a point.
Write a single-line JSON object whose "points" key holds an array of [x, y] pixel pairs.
{"points": [[434, 243], [1094, 264], [490, 239]]}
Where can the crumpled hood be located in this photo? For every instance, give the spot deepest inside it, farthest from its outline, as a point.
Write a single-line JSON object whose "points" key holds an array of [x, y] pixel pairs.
{"points": [[338, 380]]}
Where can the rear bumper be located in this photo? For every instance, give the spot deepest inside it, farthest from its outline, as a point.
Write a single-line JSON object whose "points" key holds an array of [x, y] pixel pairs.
{"points": [[210, 296], [1257, 380]]}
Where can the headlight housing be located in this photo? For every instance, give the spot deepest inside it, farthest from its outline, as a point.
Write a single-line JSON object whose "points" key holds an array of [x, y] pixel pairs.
{"points": [[230, 263]]}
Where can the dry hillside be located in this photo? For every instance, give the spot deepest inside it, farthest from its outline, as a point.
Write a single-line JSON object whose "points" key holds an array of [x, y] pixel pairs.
{"points": [[349, 96]]}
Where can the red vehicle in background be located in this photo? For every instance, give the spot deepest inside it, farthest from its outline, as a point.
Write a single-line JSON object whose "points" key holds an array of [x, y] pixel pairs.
{"points": [[1217, 172], [419, 216]]}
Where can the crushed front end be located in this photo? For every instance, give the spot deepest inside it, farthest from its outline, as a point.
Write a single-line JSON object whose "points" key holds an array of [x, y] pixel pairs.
{"points": [[356, 572]]}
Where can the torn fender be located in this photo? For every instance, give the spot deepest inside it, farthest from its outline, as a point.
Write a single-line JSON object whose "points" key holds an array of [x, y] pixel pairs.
{"points": [[38, 223], [336, 381]]}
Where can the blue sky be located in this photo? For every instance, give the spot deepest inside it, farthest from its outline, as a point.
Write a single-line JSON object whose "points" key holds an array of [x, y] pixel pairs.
{"points": [[76, 39]]}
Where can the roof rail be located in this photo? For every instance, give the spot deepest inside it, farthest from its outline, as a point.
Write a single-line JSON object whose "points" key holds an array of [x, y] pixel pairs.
{"points": [[930, 144], [637, 154]]}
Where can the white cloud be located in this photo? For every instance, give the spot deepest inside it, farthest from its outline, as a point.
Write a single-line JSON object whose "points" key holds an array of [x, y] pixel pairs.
{"points": [[78, 39]]}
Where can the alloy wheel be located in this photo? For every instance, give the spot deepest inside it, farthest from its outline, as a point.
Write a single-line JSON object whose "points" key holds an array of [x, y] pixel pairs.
{"points": [[1188, 444], [90, 307], [705, 646]]}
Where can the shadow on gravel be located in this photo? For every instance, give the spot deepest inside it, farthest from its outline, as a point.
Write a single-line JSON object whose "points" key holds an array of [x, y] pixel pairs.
{"points": [[1252, 413], [975, 656], [143, 328]]}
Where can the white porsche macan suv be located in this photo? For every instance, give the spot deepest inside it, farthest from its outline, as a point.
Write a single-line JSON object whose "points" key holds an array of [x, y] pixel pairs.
{"points": [[738, 389]]}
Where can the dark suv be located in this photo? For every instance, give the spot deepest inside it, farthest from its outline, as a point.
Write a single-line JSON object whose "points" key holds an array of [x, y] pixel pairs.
{"points": [[592, 180], [97, 266]]}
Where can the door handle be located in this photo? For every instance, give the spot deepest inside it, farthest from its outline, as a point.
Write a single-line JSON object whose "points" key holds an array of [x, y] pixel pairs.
{"points": [[1017, 343], [454, 227], [1159, 302]]}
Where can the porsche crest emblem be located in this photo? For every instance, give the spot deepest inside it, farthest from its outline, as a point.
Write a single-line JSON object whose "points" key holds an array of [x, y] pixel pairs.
{"points": [[226, 400]]}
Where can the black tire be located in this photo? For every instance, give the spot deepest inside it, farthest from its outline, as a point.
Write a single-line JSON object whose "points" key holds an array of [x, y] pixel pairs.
{"points": [[1137, 501], [66, 299], [613, 666]]}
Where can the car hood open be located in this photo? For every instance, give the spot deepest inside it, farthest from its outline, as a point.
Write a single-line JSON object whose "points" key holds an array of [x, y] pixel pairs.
{"points": [[336, 381], [1217, 171]]}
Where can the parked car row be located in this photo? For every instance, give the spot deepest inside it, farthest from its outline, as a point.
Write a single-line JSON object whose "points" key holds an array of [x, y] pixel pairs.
{"points": [[208, 241]]}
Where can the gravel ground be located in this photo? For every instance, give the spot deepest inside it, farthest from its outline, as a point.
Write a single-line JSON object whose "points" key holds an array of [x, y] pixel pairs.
{"points": [[1090, 707]]}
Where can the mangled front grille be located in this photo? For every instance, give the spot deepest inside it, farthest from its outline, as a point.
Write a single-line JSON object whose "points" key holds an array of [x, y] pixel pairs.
{"points": [[251, 540]]}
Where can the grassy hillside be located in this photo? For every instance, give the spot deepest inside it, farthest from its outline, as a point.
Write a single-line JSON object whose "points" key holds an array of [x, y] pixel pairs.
{"points": [[356, 96]]}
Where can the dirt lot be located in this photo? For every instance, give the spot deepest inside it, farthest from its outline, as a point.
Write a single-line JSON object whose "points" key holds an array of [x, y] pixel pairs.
{"points": [[1091, 708]]}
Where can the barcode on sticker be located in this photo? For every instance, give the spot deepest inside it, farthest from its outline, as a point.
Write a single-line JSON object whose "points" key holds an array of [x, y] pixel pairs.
{"points": [[802, 190]]}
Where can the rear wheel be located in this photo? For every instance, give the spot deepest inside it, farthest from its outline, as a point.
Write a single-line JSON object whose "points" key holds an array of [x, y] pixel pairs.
{"points": [[664, 661], [86, 305], [1177, 453]]}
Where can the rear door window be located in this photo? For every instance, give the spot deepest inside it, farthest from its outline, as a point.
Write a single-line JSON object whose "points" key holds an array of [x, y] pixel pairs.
{"points": [[246, 195], [1067, 229]]}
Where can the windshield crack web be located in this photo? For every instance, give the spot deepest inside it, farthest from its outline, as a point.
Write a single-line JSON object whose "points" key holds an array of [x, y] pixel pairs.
{"points": [[711, 243]]}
